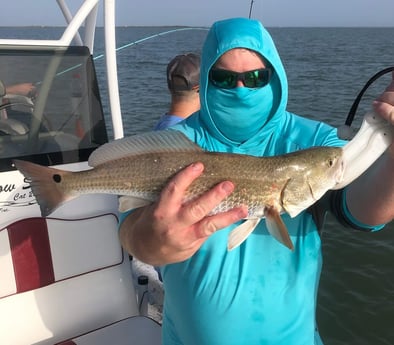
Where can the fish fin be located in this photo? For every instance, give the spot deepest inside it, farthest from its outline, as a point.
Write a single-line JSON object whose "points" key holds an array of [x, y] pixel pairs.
{"points": [[295, 209], [44, 183], [276, 227], [151, 142], [241, 233], [127, 203]]}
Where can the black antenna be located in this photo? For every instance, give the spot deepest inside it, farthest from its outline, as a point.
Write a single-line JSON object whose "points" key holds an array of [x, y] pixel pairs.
{"points": [[250, 8]]}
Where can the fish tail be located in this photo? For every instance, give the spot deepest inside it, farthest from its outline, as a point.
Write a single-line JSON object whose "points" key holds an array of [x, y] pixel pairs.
{"points": [[45, 184]]}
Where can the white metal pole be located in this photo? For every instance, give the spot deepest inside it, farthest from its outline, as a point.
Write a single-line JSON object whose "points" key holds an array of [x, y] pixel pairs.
{"points": [[68, 16], [112, 75]]}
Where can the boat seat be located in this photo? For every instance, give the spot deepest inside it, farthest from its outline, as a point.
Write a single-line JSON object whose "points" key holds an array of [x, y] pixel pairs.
{"points": [[68, 280], [9, 126], [12, 127], [136, 330]]}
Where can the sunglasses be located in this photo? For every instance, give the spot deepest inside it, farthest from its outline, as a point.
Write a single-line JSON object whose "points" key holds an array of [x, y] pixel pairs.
{"points": [[226, 79]]}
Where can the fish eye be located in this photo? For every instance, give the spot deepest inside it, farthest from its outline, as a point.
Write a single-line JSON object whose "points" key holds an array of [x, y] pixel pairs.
{"points": [[57, 178], [330, 162]]}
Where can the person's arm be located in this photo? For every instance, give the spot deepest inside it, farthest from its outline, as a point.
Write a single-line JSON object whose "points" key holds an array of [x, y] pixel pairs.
{"points": [[370, 199], [23, 89], [169, 230]]}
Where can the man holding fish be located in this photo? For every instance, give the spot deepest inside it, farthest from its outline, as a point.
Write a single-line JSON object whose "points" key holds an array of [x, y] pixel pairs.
{"points": [[230, 202], [260, 292]]}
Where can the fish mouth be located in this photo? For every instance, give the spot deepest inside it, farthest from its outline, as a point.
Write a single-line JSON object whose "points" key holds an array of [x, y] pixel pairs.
{"points": [[341, 172], [372, 139]]}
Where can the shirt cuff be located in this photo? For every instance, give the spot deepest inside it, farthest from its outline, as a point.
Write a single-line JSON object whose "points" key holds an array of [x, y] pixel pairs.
{"points": [[357, 224]]}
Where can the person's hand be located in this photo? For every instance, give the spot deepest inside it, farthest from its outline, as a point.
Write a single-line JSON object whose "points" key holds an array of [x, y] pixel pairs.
{"points": [[384, 106], [171, 230], [23, 89]]}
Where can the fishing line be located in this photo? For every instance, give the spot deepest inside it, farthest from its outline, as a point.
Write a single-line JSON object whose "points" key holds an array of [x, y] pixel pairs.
{"points": [[121, 48], [150, 37], [129, 45]]}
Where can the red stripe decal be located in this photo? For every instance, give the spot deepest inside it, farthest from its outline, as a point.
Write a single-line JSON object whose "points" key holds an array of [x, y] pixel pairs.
{"points": [[31, 254]]}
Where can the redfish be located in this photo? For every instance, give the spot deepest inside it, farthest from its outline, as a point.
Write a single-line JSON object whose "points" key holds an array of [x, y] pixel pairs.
{"points": [[138, 168]]}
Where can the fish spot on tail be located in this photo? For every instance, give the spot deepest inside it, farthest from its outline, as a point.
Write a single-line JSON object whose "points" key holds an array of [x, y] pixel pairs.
{"points": [[44, 183]]}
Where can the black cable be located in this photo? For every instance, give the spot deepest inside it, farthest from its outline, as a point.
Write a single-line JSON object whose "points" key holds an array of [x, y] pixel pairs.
{"points": [[356, 102]]}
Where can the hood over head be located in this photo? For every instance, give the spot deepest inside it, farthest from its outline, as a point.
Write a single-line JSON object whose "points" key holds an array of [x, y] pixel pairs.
{"points": [[241, 115]]}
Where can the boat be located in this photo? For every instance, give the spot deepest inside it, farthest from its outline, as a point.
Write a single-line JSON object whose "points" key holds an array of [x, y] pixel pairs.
{"points": [[64, 279]]}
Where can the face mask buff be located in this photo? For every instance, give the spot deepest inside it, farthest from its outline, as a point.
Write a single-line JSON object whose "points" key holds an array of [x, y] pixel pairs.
{"points": [[241, 112]]}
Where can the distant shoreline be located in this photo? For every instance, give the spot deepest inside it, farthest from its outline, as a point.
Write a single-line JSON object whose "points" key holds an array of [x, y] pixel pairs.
{"points": [[206, 27]]}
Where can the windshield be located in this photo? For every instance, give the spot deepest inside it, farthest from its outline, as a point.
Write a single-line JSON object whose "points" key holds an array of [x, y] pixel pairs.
{"points": [[60, 118]]}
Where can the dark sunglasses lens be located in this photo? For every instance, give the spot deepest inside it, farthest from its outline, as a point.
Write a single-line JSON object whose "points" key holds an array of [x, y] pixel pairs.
{"points": [[223, 79], [257, 78], [228, 80]]}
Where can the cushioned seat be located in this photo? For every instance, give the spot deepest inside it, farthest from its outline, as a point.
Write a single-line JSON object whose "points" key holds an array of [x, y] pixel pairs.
{"points": [[138, 330], [68, 280]]}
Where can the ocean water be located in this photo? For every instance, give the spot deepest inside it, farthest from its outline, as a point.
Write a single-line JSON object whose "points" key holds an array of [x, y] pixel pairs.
{"points": [[326, 67]]}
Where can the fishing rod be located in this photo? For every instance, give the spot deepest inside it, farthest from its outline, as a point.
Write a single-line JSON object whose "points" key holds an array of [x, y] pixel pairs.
{"points": [[250, 8]]}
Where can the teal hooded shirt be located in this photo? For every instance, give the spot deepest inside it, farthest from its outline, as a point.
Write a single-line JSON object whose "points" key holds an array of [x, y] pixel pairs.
{"points": [[260, 292]]}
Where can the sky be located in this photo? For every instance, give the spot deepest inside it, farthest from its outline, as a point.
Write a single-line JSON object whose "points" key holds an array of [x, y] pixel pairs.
{"points": [[273, 13]]}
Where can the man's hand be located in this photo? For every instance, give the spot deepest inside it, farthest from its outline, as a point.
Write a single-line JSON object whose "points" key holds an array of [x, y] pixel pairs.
{"points": [[172, 231]]}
